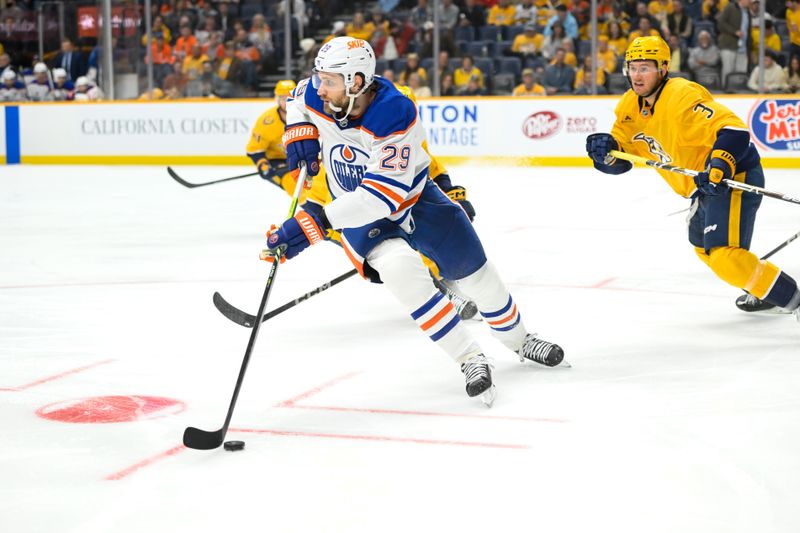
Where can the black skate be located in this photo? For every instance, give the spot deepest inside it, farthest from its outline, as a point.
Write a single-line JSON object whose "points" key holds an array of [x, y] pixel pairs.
{"points": [[465, 308], [750, 304], [478, 374], [539, 351]]}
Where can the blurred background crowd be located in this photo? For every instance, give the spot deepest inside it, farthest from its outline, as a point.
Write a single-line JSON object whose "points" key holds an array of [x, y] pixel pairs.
{"points": [[52, 50]]}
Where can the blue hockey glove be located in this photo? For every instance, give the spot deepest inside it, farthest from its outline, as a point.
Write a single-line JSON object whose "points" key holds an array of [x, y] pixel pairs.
{"points": [[598, 145], [295, 235], [302, 144], [721, 167]]}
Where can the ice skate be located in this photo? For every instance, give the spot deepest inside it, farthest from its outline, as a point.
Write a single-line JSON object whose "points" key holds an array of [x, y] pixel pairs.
{"points": [[540, 351], [750, 304], [478, 375]]}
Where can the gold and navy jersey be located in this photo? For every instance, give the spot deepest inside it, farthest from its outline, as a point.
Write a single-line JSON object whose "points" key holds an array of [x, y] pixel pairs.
{"points": [[680, 129], [266, 136]]}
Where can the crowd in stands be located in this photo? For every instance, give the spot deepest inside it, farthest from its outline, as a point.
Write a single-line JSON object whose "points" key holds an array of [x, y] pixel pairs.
{"points": [[203, 48]]}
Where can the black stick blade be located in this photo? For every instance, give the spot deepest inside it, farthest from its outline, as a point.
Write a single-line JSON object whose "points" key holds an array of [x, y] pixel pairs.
{"points": [[232, 313], [197, 439], [180, 180]]}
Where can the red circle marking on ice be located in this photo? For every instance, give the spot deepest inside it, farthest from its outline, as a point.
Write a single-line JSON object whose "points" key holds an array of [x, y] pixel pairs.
{"points": [[108, 409]]}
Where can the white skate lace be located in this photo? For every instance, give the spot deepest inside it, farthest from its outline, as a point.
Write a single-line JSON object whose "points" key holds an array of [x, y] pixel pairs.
{"points": [[750, 300], [476, 368], [536, 349]]}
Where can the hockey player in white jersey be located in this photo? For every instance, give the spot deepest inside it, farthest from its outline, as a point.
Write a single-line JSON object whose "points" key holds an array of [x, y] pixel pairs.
{"points": [[12, 90], [370, 139]]}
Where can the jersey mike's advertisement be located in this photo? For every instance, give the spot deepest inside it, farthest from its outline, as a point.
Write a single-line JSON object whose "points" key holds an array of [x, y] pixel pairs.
{"points": [[535, 131]]}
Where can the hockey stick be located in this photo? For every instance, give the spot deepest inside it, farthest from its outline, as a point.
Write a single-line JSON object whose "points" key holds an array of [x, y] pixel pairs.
{"points": [[199, 439], [686, 172], [247, 320], [781, 246], [185, 183]]}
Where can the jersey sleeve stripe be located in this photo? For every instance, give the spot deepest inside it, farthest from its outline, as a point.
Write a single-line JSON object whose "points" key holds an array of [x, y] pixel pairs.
{"points": [[381, 197], [384, 190], [408, 203], [388, 181]]}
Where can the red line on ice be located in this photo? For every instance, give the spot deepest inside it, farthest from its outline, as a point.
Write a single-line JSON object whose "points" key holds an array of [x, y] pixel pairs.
{"points": [[57, 376], [146, 462], [424, 413], [316, 390], [382, 439]]}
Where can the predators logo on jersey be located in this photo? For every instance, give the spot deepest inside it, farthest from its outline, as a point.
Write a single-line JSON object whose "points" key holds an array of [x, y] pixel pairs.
{"points": [[654, 146]]}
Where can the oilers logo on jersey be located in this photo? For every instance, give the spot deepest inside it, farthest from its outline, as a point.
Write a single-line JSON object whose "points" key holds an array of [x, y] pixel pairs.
{"points": [[654, 147], [347, 165]]}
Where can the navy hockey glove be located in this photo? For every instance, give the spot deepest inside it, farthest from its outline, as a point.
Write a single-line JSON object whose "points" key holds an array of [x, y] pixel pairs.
{"points": [[457, 193], [295, 235], [598, 145], [271, 173], [302, 144], [721, 167]]}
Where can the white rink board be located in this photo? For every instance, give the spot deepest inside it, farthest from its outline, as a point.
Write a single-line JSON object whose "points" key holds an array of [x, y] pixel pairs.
{"points": [[2, 135], [542, 130]]}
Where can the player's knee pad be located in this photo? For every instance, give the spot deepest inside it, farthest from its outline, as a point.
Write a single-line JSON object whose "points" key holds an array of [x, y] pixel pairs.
{"points": [[741, 268], [401, 270], [485, 287]]}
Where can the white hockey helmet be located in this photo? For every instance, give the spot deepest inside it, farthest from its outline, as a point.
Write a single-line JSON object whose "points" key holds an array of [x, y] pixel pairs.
{"points": [[347, 56], [9, 75], [59, 74], [39, 68], [81, 81]]}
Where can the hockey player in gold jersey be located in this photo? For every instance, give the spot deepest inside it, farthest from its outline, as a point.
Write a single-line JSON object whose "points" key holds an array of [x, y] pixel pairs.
{"points": [[677, 121]]}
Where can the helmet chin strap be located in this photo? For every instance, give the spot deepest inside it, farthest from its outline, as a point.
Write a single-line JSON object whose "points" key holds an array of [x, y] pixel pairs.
{"points": [[352, 98]]}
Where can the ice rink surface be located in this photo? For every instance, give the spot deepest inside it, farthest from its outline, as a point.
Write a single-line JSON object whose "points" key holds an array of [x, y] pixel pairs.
{"points": [[680, 414]]}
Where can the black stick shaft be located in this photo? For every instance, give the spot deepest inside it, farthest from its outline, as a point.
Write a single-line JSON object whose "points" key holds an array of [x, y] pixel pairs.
{"points": [[191, 185], [781, 246]]}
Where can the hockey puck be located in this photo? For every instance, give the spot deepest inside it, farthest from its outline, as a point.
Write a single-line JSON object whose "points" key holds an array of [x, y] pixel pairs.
{"points": [[234, 445]]}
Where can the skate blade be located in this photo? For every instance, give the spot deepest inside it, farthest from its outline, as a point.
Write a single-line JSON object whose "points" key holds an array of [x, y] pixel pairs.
{"points": [[488, 396]]}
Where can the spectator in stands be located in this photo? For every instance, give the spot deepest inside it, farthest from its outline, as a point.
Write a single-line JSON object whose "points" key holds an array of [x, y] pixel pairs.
{"points": [[158, 26], [5, 62], [679, 23], [338, 30], [420, 15], [39, 88], [448, 16], [443, 64], [792, 71], [503, 13], [606, 57], [12, 89], [583, 78], [774, 76], [530, 85], [214, 48], [209, 28], [617, 40], [192, 67], [389, 75], [228, 73], [553, 41], [644, 29], [676, 58], [755, 14], [380, 25], [412, 67], [559, 78], [473, 14], [70, 60], [733, 25], [359, 29], [527, 13], [447, 86], [570, 59], [298, 14], [225, 20], [425, 42], [260, 36], [567, 21], [772, 40], [185, 43], [474, 87], [416, 84], [793, 25], [163, 59], [63, 89], [642, 13], [660, 10], [465, 72], [528, 44], [250, 58], [86, 92], [704, 58]]}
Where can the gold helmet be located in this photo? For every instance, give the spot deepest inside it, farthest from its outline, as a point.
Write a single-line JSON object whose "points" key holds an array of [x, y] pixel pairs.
{"points": [[650, 48], [284, 87]]}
